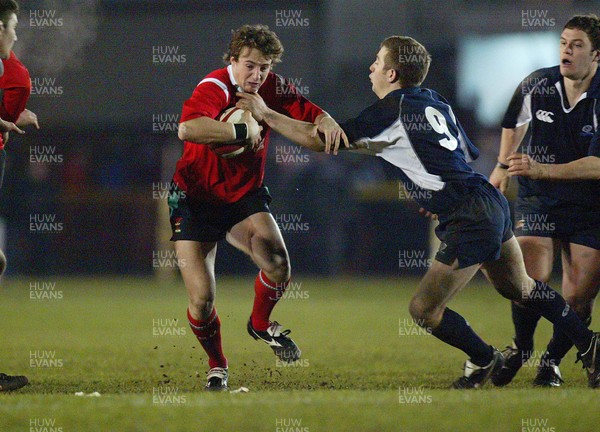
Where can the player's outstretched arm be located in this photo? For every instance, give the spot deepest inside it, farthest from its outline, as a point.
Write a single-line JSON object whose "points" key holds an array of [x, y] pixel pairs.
{"points": [[302, 133], [509, 142], [204, 130], [586, 168], [333, 133]]}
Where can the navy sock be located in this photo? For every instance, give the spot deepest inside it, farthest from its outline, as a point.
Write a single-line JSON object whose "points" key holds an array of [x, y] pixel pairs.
{"points": [[555, 309], [455, 331], [560, 344], [525, 321]]}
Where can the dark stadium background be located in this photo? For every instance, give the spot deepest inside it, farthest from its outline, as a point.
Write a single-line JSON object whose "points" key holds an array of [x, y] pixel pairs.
{"points": [[103, 101]]}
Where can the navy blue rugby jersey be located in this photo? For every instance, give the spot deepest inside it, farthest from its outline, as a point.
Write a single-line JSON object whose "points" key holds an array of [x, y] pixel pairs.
{"points": [[415, 130], [559, 134]]}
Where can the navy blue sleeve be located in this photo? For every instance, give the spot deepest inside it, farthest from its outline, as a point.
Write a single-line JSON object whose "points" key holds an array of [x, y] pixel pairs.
{"points": [[372, 120], [515, 106], [513, 115]]}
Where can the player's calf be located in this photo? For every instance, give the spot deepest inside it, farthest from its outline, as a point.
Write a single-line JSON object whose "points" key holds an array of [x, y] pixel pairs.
{"points": [[276, 266], [201, 306]]}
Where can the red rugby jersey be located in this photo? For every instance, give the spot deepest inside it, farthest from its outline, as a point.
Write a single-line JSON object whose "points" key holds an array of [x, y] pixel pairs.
{"points": [[16, 88], [207, 177]]}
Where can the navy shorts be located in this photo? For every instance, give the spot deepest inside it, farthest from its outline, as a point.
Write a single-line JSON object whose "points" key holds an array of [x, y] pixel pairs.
{"points": [[580, 226], [474, 232], [209, 222]]}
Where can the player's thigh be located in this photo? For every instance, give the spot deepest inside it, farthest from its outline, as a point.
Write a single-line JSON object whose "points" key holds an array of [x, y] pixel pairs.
{"points": [[258, 236], [438, 286], [197, 267], [581, 272], [538, 255], [508, 273]]}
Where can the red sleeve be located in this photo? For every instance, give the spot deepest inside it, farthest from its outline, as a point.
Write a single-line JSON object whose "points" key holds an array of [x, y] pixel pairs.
{"points": [[14, 102], [16, 84], [290, 102], [208, 100]]}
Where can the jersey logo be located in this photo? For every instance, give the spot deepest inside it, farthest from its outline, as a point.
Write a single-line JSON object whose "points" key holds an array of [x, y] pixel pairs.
{"points": [[587, 130], [544, 116], [178, 224]]}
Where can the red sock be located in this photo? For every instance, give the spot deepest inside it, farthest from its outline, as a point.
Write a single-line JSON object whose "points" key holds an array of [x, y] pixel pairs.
{"points": [[266, 296], [208, 332]]}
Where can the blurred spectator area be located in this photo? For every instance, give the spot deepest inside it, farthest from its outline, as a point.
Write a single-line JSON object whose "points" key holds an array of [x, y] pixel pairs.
{"points": [[90, 195], [102, 187]]}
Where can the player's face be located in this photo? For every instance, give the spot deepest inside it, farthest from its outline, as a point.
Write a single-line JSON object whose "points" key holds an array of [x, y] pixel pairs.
{"points": [[576, 54], [8, 36], [251, 69], [379, 75]]}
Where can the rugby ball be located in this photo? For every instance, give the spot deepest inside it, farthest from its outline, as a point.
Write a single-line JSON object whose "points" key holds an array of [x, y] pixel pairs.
{"points": [[231, 149]]}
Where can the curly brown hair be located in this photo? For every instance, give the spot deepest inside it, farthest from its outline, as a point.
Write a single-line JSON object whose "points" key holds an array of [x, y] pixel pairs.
{"points": [[254, 36]]}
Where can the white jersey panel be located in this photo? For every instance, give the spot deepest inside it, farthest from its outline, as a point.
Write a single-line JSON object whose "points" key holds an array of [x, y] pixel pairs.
{"points": [[394, 146]]}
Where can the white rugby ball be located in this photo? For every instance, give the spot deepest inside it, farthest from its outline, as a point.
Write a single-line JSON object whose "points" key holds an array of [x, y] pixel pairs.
{"points": [[232, 115], [233, 148]]}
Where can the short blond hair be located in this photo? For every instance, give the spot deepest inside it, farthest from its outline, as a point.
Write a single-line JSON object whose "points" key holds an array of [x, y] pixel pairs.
{"points": [[408, 58]]}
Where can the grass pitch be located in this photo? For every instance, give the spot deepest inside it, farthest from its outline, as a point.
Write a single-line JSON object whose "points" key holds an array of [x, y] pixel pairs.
{"points": [[365, 365]]}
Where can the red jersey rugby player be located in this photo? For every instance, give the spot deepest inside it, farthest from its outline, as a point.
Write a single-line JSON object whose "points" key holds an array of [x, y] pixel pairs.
{"points": [[215, 198]]}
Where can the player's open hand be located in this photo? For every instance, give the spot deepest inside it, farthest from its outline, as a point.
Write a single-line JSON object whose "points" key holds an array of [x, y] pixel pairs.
{"points": [[499, 178], [254, 103], [520, 164], [27, 118], [333, 133], [6, 126]]}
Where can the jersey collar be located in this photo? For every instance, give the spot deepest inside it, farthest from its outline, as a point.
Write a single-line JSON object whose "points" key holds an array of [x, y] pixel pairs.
{"points": [[407, 90], [232, 79]]}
